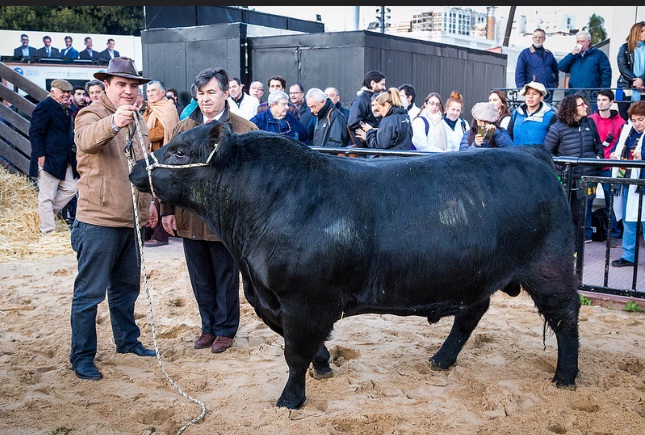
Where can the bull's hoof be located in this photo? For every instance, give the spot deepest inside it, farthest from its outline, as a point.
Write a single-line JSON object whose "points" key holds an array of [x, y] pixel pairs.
{"points": [[290, 403], [571, 386], [321, 373], [437, 366]]}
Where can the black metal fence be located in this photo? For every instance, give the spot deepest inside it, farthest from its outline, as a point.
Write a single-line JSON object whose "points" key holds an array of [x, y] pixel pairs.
{"points": [[622, 283]]}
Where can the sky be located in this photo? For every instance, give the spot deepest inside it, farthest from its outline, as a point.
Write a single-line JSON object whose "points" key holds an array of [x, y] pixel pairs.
{"points": [[340, 18]]}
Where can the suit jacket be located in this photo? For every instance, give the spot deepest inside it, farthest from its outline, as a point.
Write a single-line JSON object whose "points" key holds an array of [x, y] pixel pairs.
{"points": [[52, 135], [42, 52], [86, 55], [18, 51], [104, 55], [71, 54]]}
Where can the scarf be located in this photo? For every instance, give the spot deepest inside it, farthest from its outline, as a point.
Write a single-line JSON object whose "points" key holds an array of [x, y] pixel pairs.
{"points": [[166, 112], [450, 122], [639, 66]]}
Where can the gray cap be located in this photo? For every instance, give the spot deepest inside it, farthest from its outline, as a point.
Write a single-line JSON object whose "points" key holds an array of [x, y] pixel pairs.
{"points": [[63, 85]]}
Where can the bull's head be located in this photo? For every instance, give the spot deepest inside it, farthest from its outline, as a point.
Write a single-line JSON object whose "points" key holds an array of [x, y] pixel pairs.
{"points": [[172, 172]]}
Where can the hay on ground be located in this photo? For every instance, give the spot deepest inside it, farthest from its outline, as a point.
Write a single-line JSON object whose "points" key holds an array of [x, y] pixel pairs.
{"points": [[20, 237]]}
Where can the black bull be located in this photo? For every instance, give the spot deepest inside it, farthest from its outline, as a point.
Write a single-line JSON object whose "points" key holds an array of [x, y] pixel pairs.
{"points": [[319, 237]]}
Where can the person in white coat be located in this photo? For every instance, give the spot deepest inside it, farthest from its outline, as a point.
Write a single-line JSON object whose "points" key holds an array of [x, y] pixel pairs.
{"points": [[453, 125], [427, 126], [629, 147]]}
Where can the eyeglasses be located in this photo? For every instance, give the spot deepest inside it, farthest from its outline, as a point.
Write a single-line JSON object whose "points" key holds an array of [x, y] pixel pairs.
{"points": [[296, 93], [581, 104], [432, 103]]}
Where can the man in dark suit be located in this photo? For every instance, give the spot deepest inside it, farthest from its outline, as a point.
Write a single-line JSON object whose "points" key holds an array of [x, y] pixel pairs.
{"points": [[109, 52], [47, 50], [53, 156], [69, 52], [88, 53], [25, 50]]}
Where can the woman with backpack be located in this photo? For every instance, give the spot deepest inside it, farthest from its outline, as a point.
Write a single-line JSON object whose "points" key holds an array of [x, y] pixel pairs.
{"points": [[426, 133]]}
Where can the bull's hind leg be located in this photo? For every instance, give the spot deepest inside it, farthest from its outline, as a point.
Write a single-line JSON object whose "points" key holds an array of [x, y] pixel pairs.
{"points": [[557, 299], [465, 322], [321, 368], [304, 336]]}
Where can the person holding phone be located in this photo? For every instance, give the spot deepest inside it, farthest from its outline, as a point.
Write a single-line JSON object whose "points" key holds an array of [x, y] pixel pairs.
{"points": [[485, 131]]}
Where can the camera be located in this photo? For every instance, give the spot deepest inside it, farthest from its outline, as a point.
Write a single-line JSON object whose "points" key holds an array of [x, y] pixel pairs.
{"points": [[607, 141]]}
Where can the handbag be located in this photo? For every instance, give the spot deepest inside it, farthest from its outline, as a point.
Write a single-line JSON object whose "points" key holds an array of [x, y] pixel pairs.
{"points": [[351, 137]]}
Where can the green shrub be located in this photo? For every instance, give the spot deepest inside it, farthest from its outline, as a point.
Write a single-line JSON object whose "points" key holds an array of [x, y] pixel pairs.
{"points": [[633, 307]]}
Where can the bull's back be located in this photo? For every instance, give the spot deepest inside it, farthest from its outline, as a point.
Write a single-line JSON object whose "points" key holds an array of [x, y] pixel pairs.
{"points": [[454, 220]]}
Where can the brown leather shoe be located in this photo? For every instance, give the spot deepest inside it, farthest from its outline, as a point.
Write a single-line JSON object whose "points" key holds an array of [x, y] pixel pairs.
{"points": [[221, 343], [204, 341]]}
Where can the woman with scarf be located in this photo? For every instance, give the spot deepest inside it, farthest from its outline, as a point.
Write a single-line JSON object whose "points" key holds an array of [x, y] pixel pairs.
{"points": [[631, 65], [427, 126], [454, 126], [161, 117], [629, 147]]}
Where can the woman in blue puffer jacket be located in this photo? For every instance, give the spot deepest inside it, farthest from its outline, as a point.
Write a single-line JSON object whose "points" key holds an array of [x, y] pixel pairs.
{"points": [[575, 135], [395, 128]]}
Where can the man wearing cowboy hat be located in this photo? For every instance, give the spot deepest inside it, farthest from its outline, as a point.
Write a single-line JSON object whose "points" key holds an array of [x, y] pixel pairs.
{"points": [[102, 234]]}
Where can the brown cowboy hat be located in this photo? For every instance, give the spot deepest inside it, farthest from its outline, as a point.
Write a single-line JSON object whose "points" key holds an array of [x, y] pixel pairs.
{"points": [[121, 67]]}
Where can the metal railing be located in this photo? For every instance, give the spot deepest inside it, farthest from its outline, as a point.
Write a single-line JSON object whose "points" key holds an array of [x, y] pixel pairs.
{"points": [[568, 163]]}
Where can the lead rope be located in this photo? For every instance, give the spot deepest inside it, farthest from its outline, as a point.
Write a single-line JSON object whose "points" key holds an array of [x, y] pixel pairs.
{"points": [[129, 154]]}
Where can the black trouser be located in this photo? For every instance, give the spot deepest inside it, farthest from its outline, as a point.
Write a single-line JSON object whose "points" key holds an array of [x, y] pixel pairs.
{"points": [[215, 279]]}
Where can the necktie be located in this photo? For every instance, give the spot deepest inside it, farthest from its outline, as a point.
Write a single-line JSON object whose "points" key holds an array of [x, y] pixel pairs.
{"points": [[49, 53]]}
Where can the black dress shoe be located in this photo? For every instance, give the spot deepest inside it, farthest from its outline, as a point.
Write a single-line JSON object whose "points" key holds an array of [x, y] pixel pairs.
{"points": [[621, 262], [87, 370], [140, 351]]}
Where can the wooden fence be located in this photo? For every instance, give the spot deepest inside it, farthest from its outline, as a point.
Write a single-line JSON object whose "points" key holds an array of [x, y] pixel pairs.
{"points": [[15, 117]]}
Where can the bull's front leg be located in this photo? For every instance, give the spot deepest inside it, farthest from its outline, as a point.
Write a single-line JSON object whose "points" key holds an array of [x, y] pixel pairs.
{"points": [[465, 322], [304, 336]]}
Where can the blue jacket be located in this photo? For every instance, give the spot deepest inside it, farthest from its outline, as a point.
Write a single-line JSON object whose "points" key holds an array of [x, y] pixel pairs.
{"points": [[533, 67], [530, 129], [51, 134], [71, 54], [500, 139], [592, 70], [579, 140], [288, 126]]}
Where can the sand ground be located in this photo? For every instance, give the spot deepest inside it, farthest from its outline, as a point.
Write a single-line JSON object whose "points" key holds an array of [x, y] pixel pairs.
{"points": [[382, 381]]}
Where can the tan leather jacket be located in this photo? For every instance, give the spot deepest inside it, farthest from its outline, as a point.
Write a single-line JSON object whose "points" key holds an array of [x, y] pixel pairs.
{"points": [[189, 224], [104, 189]]}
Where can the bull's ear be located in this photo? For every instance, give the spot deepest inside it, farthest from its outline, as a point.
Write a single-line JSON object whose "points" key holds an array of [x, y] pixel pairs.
{"points": [[219, 134]]}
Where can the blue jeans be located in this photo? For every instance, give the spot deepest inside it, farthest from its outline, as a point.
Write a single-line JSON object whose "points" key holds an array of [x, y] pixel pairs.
{"points": [[629, 232], [615, 229], [108, 260]]}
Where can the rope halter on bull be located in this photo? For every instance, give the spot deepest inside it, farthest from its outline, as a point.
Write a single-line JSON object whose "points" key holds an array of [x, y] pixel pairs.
{"points": [[131, 162], [151, 156]]}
